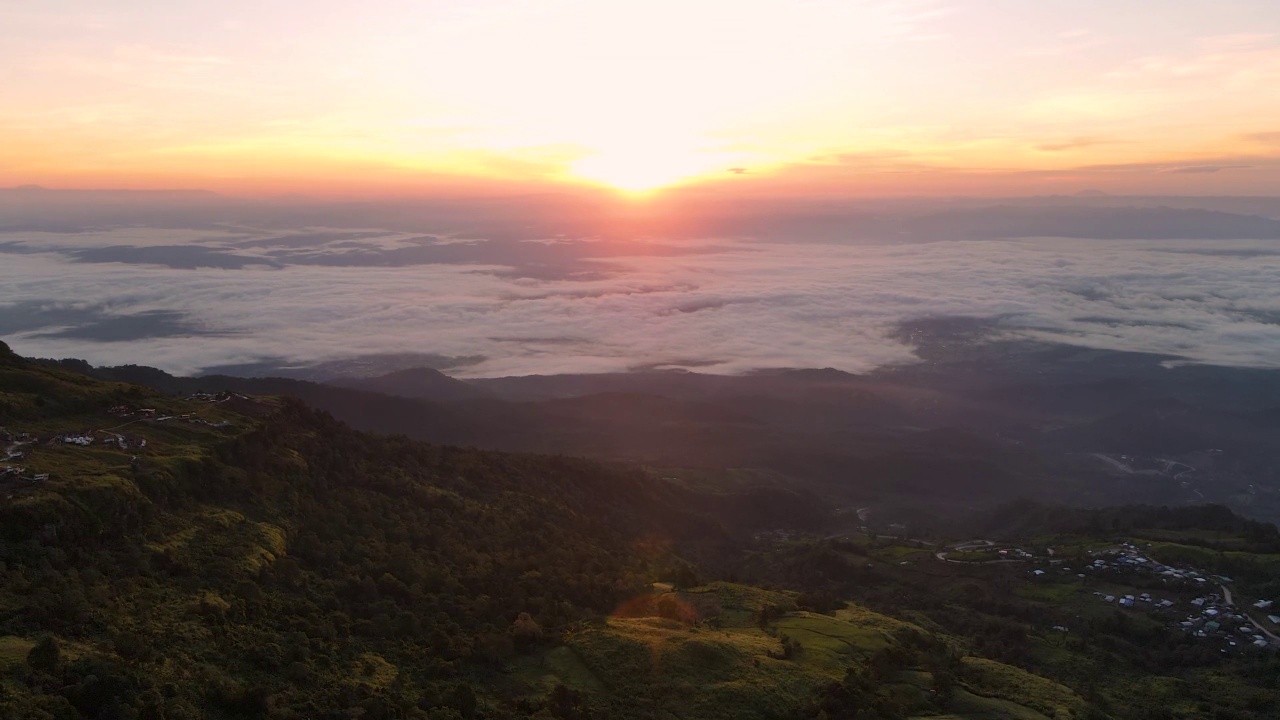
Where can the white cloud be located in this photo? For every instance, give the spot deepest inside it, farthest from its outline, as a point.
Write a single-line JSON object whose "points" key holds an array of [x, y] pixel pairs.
{"points": [[753, 305]]}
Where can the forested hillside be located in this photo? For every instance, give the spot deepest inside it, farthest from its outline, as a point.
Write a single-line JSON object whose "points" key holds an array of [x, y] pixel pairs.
{"points": [[218, 555], [293, 567]]}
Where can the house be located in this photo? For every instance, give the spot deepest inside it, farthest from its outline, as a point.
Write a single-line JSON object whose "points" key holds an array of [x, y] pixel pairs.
{"points": [[1263, 604], [1126, 602], [1260, 643], [1109, 598], [1165, 603], [1037, 573], [1198, 602], [1275, 619]]}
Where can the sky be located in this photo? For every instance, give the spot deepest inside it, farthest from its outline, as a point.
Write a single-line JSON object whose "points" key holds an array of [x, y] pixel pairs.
{"points": [[741, 98]]}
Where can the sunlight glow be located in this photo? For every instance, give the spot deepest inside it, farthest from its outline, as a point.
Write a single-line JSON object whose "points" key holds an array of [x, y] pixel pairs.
{"points": [[643, 167]]}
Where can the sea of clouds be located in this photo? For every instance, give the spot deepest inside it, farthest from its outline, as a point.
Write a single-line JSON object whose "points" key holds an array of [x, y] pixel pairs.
{"points": [[190, 299]]}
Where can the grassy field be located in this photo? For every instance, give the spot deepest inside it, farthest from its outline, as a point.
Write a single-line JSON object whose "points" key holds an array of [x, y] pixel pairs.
{"points": [[1225, 540], [13, 651], [1210, 559], [1005, 682], [974, 555], [653, 667], [901, 553], [1052, 592]]}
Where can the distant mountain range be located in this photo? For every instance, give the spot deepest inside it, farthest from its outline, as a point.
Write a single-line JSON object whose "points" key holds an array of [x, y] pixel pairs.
{"points": [[1076, 216], [979, 422]]}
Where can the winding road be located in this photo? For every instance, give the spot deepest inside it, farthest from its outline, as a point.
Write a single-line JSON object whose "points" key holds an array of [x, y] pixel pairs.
{"points": [[1226, 598]]}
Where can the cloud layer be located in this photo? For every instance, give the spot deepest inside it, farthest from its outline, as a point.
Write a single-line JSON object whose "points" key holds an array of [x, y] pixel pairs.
{"points": [[186, 300]]}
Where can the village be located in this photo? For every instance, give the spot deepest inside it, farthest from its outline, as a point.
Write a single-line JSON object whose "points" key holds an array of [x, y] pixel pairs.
{"points": [[1185, 598], [16, 477], [1189, 599]]}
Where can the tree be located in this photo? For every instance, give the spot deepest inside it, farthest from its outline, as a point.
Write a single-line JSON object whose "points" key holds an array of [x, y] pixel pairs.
{"points": [[46, 656], [463, 699], [525, 631]]}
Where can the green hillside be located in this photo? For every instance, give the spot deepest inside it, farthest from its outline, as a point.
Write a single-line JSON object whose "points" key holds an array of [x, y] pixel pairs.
{"points": [[732, 651], [224, 556], [283, 565]]}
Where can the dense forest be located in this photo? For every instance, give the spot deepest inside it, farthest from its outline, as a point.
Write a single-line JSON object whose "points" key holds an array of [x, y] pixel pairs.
{"points": [[301, 567]]}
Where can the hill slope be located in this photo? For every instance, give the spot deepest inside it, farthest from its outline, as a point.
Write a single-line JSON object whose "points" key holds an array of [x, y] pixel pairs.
{"points": [[285, 564], [225, 556]]}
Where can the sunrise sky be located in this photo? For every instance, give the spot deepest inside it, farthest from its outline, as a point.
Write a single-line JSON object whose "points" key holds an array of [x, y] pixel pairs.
{"points": [[786, 97]]}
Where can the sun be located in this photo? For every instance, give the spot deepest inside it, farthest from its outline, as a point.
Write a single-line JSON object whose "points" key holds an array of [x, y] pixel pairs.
{"points": [[643, 168]]}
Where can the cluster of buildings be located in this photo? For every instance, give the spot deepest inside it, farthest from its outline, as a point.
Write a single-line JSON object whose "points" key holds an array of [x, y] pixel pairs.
{"points": [[14, 443], [7, 436], [1014, 553], [1131, 601], [1211, 616], [1217, 619], [215, 397], [17, 473], [1265, 606], [1126, 557], [124, 411], [125, 442], [113, 440], [200, 421]]}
